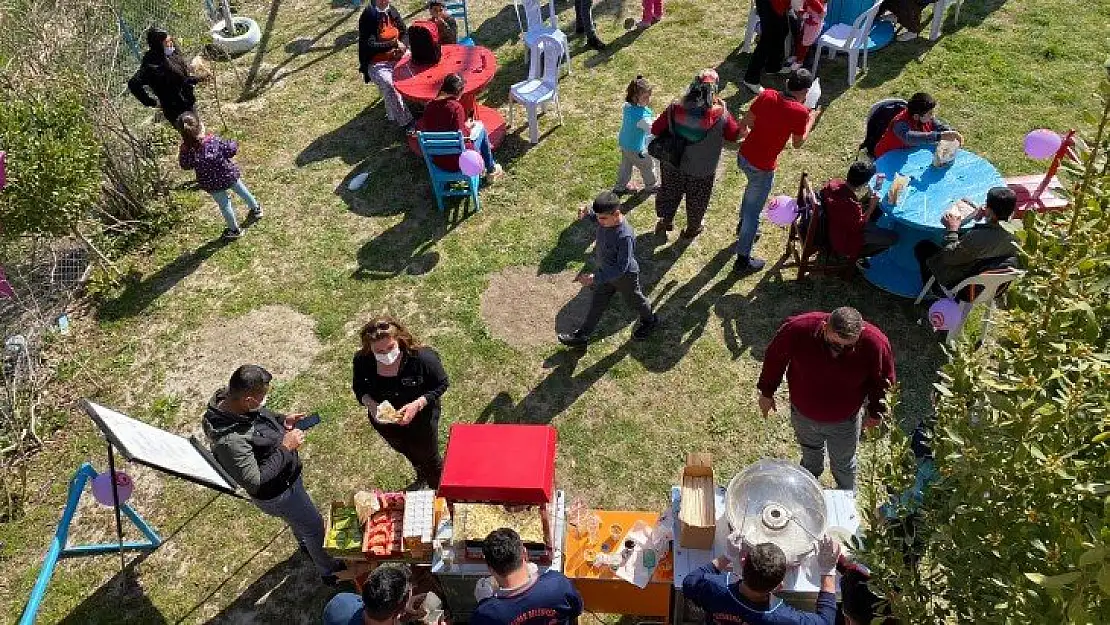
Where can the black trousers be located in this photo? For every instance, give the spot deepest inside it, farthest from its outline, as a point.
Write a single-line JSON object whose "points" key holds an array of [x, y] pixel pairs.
{"points": [[418, 442], [923, 251], [767, 55], [628, 286], [584, 17]]}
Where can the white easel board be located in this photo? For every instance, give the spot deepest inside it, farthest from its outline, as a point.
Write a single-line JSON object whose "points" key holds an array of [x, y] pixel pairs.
{"points": [[161, 450]]}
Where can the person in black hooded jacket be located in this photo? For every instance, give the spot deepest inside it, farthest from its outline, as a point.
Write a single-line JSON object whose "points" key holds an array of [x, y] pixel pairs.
{"points": [[164, 71], [258, 449]]}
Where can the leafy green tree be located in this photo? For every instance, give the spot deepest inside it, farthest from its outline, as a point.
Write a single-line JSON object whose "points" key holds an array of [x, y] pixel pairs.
{"points": [[1016, 529], [53, 163]]}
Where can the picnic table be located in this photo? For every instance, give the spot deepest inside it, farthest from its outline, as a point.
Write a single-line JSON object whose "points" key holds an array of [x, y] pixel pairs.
{"points": [[476, 64], [916, 217], [846, 12]]}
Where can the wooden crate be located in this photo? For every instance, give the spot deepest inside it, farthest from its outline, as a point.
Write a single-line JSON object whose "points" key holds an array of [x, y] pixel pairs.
{"points": [[697, 516]]}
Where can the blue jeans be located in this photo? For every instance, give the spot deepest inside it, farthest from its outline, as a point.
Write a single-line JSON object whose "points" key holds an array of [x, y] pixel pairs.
{"points": [[223, 200], [756, 193], [481, 143], [297, 510]]}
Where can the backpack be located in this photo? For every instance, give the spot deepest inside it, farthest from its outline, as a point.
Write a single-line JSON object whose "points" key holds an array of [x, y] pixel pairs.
{"points": [[424, 42], [878, 120]]}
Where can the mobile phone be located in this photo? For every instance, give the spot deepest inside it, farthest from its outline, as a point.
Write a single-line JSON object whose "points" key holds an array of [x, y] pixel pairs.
{"points": [[308, 422]]}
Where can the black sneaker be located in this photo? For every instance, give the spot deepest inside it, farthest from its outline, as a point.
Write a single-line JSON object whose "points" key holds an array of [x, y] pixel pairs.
{"points": [[332, 579], [662, 227], [595, 43], [574, 339], [644, 330], [747, 264], [256, 213], [231, 234]]}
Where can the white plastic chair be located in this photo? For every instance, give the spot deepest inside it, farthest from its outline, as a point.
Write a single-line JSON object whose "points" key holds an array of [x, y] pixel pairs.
{"points": [[989, 283], [542, 85], [753, 26], [939, 9], [536, 26], [850, 39]]}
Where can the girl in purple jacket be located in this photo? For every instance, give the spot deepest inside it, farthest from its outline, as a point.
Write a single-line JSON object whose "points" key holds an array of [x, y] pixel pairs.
{"points": [[210, 156]]}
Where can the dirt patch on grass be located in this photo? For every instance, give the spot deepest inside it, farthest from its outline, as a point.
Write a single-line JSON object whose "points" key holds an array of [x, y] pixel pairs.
{"points": [[524, 309], [276, 337]]}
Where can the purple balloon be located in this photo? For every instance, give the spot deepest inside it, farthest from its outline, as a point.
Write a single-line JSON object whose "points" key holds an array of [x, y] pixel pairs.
{"points": [[471, 163], [3, 169], [102, 487], [945, 314], [1042, 143], [782, 210]]}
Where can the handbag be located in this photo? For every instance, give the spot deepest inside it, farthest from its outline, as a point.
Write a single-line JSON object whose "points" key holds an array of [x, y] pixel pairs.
{"points": [[667, 146]]}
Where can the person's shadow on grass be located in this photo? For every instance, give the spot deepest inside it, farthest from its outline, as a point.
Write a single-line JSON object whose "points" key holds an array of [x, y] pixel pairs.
{"points": [[406, 248], [121, 599], [138, 292], [555, 393], [683, 317]]}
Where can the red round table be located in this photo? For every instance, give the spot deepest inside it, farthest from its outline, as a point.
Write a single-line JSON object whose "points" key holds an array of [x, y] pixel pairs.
{"points": [[478, 65]]}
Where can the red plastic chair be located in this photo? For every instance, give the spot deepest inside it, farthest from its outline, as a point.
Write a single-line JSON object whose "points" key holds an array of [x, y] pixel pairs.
{"points": [[1042, 193]]}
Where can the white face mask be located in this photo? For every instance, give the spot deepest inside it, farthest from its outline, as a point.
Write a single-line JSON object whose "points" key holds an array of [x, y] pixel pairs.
{"points": [[389, 357], [170, 50]]}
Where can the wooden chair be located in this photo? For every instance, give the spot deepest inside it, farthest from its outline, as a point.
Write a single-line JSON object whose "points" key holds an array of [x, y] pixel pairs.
{"points": [[1042, 193], [803, 245]]}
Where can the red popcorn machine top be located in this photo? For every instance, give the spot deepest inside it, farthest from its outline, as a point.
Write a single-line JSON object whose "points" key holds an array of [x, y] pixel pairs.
{"points": [[501, 476]]}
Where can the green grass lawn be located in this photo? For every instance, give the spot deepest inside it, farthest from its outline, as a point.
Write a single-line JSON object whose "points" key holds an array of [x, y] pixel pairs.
{"points": [[326, 258]]}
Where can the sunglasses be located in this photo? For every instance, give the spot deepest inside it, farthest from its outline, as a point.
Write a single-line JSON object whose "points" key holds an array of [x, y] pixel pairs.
{"points": [[379, 330]]}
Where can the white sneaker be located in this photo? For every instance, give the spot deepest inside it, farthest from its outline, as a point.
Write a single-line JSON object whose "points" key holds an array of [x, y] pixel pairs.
{"points": [[888, 17], [756, 89], [496, 174], [907, 35]]}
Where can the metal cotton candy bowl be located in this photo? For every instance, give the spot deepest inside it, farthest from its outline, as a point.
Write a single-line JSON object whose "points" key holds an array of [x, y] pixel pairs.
{"points": [[779, 502]]}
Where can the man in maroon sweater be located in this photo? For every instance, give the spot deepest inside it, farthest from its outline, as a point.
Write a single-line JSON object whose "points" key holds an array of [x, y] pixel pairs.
{"points": [[836, 364]]}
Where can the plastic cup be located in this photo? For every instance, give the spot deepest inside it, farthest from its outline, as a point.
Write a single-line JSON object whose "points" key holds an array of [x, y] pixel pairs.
{"points": [[615, 532]]}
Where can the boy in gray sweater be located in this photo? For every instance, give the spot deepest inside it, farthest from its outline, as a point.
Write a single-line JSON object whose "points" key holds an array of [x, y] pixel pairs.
{"points": [[617, 271]]}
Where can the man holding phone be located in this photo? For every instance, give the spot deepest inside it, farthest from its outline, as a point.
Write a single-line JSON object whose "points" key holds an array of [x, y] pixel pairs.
{"points": [[258, 449]]}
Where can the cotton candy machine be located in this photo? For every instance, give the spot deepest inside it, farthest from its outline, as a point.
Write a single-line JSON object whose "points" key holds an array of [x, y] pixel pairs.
{"points": [[779, 502]]}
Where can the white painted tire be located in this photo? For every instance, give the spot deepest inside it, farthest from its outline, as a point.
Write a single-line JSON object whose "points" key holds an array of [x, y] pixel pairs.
{"points": [[241, 43]]}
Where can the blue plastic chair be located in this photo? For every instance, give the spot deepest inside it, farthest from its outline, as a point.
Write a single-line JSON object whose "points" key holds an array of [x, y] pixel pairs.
{"points": [[458, 11], [446, 183]]}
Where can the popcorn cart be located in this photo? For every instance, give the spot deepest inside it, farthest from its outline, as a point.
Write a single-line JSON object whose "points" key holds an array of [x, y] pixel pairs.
{"points": [[495, 476]]}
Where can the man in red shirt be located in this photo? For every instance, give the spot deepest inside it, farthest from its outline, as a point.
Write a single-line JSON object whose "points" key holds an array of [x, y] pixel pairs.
{"points": [[773, 118], [852, 230], [835, 363]]}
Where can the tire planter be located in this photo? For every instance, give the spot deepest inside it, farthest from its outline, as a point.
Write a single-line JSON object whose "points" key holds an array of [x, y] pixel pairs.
{"points": [[239, 43]]}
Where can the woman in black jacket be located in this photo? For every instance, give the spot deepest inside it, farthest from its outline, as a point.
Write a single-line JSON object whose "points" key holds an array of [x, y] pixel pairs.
{"points": [[381, 44], [164, 71], [392, 366]]}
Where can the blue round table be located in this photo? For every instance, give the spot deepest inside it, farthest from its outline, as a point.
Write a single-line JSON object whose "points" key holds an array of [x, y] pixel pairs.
{"points": [[846, 12], [916, 217]]}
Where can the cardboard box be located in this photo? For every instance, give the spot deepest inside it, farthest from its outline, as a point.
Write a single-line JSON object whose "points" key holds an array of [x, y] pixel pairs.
{"points": [[697, 517], [351, 541]]}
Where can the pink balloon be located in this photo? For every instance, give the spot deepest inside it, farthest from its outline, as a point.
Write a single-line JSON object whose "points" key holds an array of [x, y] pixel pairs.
{"points": [[471, 163], [3, 169], [945, 314], [1042, 143], [102, 487], [782, 210]]}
